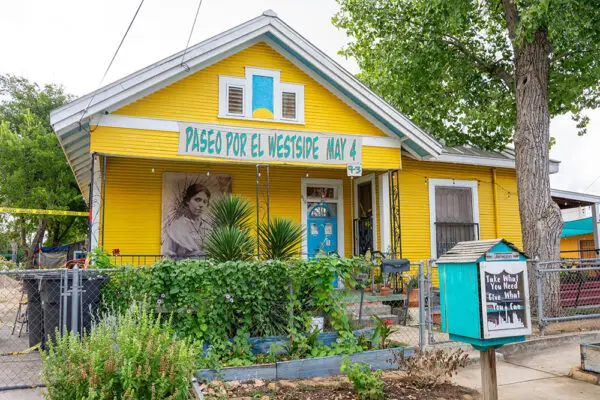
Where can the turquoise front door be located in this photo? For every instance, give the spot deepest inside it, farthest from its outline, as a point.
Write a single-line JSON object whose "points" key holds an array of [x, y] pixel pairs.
{"points": [[322, 229]]}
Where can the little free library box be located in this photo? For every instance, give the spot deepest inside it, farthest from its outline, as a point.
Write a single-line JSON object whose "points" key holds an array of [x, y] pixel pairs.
{"points": [[484, 293]]}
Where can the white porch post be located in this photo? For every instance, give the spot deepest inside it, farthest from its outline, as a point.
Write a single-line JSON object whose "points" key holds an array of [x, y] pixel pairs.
{"points": [[384, 211], [96, 202]]}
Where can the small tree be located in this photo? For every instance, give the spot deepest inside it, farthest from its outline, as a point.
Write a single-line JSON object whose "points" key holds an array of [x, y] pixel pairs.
{"points": [[33, 169]]}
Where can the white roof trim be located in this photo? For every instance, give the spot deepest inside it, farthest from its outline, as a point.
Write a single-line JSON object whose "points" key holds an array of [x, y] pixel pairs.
{"points": [[583, 197], [509, 162]]}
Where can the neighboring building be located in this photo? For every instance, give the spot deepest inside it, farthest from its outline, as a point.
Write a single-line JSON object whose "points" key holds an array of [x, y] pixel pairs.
{"points": [[579, 237], [259, 111]]}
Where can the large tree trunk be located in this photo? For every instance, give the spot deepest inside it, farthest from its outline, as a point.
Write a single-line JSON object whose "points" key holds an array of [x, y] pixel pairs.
{"points": [[540, 216]]}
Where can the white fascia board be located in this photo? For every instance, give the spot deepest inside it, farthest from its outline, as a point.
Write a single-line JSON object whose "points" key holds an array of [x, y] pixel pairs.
{"points": [[583, 197], [472, 160], [484, 161], [155, 124]]}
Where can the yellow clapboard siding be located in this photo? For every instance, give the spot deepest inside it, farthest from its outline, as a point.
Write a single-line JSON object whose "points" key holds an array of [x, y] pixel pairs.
{"points": [[133, 209], [571, 244], [164, 145], [195, 98], [414, 204]]}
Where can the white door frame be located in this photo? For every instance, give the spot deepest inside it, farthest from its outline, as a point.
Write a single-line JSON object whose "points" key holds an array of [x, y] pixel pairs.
{"points": [[338, 186], [358, 181], [433, 183], [384, 212]]}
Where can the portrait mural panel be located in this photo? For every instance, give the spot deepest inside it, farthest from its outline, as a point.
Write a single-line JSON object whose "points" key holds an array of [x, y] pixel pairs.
{"points": [[186, 198]]}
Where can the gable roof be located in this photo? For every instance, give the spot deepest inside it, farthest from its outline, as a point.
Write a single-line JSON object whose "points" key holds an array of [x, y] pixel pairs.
{"points": [[71, 121], [470, 252]]}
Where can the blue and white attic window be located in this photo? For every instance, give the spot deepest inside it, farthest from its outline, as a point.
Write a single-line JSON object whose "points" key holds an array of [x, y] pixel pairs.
{"points": [[261, 96]]}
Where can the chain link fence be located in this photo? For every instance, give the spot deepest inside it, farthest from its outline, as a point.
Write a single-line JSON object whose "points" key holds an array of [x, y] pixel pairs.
{"points": [[567, 295]]}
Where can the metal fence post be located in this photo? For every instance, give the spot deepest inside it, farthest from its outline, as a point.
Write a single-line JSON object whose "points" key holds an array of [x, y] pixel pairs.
{"points": [[421, 304], [540, 294], [75, 300]]}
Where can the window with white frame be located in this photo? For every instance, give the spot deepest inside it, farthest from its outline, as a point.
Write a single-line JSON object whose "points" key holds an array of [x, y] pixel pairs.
{"points": [[260, 95], [454, 213]]}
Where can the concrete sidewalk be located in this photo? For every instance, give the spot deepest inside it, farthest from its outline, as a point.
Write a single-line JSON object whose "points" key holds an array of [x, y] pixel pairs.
{"points": [[541, 375]]}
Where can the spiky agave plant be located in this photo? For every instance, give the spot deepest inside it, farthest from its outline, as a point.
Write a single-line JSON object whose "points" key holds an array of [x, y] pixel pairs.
{"points": [[230, 238], [229, 243], [231, 211], [280, 239]]}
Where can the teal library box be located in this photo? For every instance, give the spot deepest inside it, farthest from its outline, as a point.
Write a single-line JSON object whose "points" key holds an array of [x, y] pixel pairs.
{"points": [[484, 293]]}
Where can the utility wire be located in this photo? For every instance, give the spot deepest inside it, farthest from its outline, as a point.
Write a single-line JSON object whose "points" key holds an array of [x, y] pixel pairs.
{"points": [[592, 184], [112, 60], [183, 64]]}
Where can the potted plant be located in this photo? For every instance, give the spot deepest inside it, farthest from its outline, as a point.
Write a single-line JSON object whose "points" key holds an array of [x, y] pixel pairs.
{"points": [[385, 291], [413, 289]]}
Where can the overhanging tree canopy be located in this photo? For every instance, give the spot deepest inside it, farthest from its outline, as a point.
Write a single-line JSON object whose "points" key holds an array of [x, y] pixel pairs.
{"points": [[485, 73]]}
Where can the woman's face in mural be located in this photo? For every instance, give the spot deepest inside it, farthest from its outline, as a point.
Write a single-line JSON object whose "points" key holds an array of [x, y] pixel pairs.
{"points": [[198, 204]]}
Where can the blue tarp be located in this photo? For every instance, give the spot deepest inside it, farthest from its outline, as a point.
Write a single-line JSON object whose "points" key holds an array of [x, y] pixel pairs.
{"points": [[56, 249]]}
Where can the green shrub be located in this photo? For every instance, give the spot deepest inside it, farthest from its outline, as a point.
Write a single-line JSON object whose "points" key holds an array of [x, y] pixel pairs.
{"points": [[368, 384], [280, 238], [130, 355]]}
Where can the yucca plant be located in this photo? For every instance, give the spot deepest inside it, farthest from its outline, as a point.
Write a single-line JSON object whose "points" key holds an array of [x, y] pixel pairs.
{"points": [[231, 211], [280, 239], [229, 243]]}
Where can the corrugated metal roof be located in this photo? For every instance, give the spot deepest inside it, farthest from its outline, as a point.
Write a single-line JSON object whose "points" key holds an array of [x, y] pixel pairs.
{"points": [[470, 252]]}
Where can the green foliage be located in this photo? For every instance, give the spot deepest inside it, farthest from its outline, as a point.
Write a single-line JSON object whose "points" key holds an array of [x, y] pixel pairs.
{"points": [[280, 238], [132, 355], [101, 259], [383, 331], [368, 384], [33, 169], [231, 211], [450, 65], [7, 265], [229, 243]]}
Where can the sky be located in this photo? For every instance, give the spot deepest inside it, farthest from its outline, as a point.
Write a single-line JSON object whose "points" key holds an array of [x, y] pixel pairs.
{"points": [[71, 42]]}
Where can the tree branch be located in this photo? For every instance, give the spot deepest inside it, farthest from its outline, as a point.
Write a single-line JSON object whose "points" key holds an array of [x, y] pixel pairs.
{"points": [[511, 15], [492, 68]]}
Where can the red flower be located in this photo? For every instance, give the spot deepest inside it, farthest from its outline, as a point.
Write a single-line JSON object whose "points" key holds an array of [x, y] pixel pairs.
{"points": [[116, 252]]}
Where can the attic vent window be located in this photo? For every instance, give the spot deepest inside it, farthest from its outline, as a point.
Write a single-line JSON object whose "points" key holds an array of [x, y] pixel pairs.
{"points": [[288, 101], [261, 95], [235, 100]]}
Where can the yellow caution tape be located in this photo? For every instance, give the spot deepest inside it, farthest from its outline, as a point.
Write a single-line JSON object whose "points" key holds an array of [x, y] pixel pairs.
{"points": [[17, 353], [44, 212]]}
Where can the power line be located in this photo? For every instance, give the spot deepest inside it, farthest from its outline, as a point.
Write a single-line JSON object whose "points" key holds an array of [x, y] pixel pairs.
{"points": [[591, 184], [183, 64], [112, 60]]}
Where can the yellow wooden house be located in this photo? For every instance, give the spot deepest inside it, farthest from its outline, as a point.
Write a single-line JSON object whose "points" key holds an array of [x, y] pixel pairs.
{"points": [[261, 112]]}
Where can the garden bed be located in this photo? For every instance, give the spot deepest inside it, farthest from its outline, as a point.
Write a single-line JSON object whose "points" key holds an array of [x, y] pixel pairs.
{"points": [[304, 368], [339, 388]]}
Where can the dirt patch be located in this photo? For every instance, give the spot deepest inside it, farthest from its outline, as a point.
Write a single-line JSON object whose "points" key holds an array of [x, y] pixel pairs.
{"points": [[581, 325], [332, 388]]}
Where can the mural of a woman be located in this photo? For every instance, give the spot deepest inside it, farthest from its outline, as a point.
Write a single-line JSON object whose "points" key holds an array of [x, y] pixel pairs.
{"points": [[185, 212]]}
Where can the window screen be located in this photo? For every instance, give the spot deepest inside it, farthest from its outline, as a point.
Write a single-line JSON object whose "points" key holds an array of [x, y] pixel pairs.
{"points": [[288, 105], [235, 100]]}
